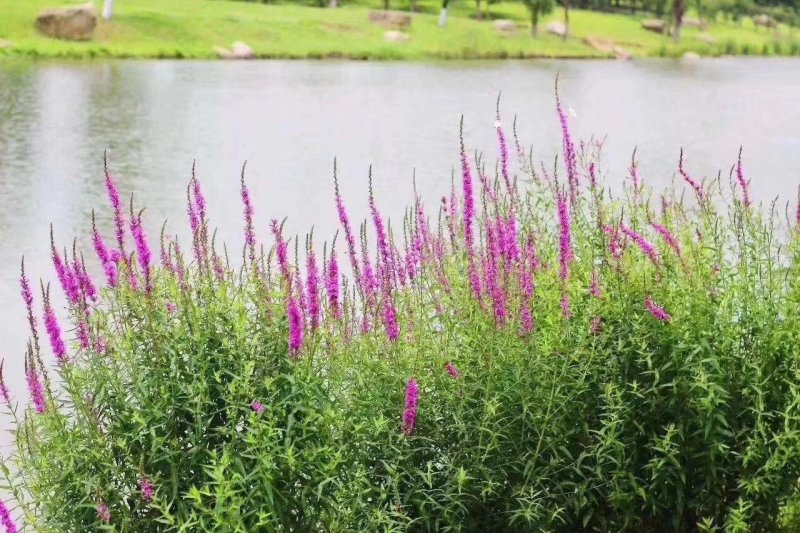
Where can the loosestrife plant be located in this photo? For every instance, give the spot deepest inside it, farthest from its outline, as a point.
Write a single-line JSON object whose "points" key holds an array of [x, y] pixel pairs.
{"points": [[538, 355]]}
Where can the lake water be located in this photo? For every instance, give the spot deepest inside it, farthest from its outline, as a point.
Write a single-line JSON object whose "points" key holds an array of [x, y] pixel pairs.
{"points": [[289, 120]]}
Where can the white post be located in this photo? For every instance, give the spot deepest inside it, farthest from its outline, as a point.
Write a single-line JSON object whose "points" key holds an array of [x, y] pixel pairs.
{"points": [[443, 18], [108, 7]]}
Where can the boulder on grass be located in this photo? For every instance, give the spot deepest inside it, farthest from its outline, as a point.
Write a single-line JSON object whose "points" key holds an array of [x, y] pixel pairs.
{"points": [[4, 43], [601, 44], [691, 56], [557, 28], [238, 50], [691, 22], [504, 26], [394, 36], [654, 25], [621, 53], [72, 23], [393, 20], [765, 21], [707, 38]]}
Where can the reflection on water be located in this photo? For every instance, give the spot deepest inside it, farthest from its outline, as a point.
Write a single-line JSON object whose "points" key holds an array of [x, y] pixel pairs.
{"points": [[289, 119]]}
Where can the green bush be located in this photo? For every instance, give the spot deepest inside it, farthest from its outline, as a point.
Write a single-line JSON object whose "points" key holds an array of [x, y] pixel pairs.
{"points": [[547, 357]]}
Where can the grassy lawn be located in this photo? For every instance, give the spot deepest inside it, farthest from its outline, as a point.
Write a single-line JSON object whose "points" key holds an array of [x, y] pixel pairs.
{"points": [[191, 28]]}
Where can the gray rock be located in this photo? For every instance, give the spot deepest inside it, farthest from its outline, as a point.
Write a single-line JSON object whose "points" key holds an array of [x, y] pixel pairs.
{"points": [[393, 20], [654, 25], [505, 26], [394, 36], [690, 56], [557, 28], [72, 23], [238, 50]]}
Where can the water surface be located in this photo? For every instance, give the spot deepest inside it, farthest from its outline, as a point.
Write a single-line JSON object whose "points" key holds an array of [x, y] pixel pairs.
{"points": [[289, 120]]}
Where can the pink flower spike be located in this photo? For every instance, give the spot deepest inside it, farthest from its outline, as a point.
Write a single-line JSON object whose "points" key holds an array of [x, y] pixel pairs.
{"points": [[147, 490], [451, 369], [412, 402], [103, 513], [6, 520], [257, 406], [658, 312]]}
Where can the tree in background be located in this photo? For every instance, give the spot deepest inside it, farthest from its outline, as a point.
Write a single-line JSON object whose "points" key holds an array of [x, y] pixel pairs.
{"points": [[538, 8], [566, 19], [108, 8], [443, 14], [678, 11]]}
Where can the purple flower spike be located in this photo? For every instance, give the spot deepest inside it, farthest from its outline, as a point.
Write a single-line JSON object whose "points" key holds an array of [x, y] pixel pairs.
{"points": [[594, 290], [249, 233], [698, 189], [295, 326], [332, 284], [569, 148], [469, 217], [566, 311], [35, 388], [668, 237], [412, 402], [103, 512], [390, 320], [6, 520], [658, 312], [54, 332], [451, 369], [147, 490], [4, 394], [743, 183], [644, 245], [312, 287], [348, 230], [282, 254], [257, 406], [501, 139], [142, 250], [119, 217], [565, 237]]}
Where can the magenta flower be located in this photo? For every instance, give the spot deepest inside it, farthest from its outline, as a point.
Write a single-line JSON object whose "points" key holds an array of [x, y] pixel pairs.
{"points": [[171, 308], [6, 520], [348, 230], [593, 175], [35, 388], [83, 334], [412, 402], [565, 237], [594, 289], [282, 254], [332, 283], [596, 326], [4, 394], [103, 512], [295, 326], [249, 232], [744, 184], [119, 217], [451, 369], [66, 277], [312, 287], [147, 490], [501, 139], [469, 217], [634, 173], [569, 148], [142, 250], [658, 312], [199, 199], [27, 297], [644, 245], [54, 331], [566, 310], [668, 237], [109, 265], [614, 246], [257, 406], [390, 319], [698, 189], [493, 285]]}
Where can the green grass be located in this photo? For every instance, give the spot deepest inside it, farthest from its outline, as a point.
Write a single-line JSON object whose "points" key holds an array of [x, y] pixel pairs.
{"points": [[191, 28]]}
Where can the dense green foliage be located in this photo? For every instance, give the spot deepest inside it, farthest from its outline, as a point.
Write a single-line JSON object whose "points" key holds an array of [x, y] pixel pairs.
{"points": [[656, 386]]}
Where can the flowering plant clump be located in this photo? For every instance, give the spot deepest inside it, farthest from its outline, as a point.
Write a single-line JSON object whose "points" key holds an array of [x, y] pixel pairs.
{"points": [[546, 357]]}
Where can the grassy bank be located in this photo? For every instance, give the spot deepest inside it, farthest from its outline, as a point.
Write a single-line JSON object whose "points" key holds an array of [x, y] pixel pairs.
{"points": [[191, 28]]}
